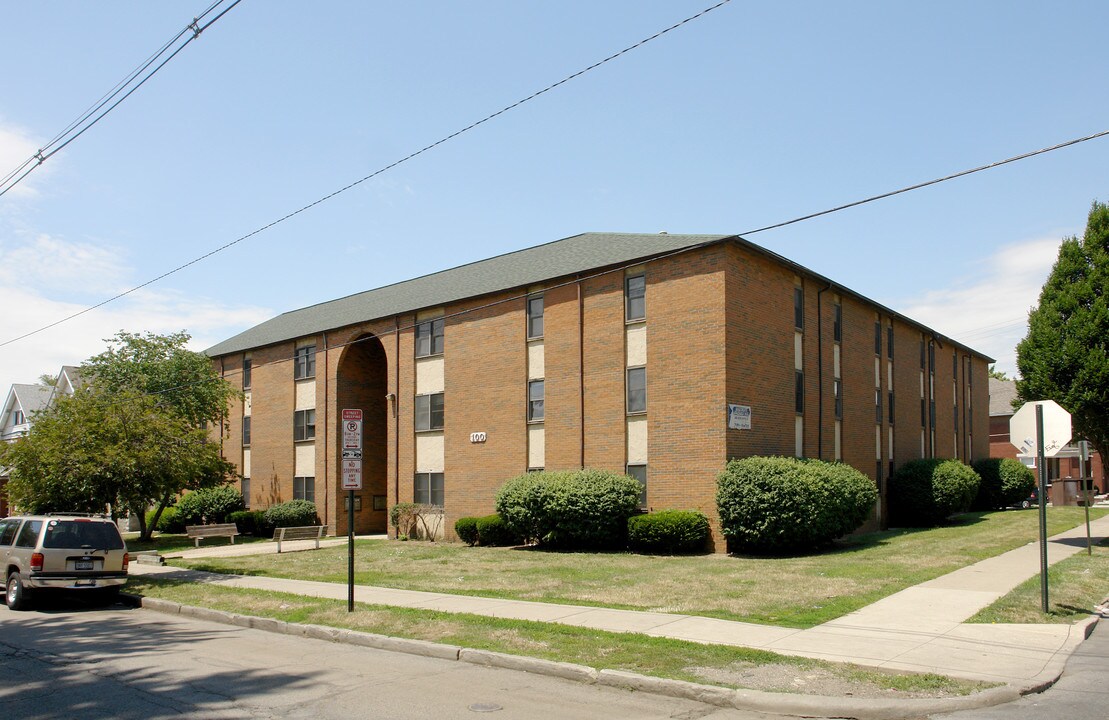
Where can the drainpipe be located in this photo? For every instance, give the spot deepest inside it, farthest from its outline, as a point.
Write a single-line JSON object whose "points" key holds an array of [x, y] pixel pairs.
{"points": [[326, 454], [581, 378], [820, 373], [396, 415]]}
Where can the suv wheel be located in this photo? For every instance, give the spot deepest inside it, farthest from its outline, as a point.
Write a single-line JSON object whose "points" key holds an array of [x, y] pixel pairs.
{"points": [[17, 595]]}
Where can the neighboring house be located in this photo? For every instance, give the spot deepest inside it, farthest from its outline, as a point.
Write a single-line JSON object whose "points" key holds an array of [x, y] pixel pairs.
{"points": [[1066, 464], [661, 356], [69, 381], [15, 422]]}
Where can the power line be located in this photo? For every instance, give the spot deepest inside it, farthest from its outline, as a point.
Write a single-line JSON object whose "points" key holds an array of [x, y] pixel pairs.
{"points": [[374, 174], [98, 110]]}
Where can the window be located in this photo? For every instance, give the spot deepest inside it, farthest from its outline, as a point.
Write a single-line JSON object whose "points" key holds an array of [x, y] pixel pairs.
{"points": [[837, 393], [245, 490], [7, 531], [891, 407], [922, 353], [535, 317], [429, 338], [535, 401], [878, 472], [799, 391], [304, 488], [246, 373], [304, 362], [889, 342], [635, 298], [798, 308], [427, 489], [18, 418], [246, 430], [29, 535], [379, 502], [637, 390], [837, 322], [304, 425], [878, 405], [955, 365], [639, 472], [429, 412], [932, 356], [877, 338], [923, 414], [932, 414]]}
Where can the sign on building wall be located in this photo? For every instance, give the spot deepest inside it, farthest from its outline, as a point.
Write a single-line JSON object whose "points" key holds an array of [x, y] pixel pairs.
{"points": [[739, 417]]}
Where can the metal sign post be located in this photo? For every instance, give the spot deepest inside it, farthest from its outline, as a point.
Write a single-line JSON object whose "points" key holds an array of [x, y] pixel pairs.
{"points": [[1085, 482], [1041, 467], [352, 480], [1045, 428]]}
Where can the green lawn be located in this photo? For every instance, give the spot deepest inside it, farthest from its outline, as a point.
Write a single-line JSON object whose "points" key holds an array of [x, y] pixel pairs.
{"points": [[1075, 586], [169, 542], [661, 657], [787, 591]]}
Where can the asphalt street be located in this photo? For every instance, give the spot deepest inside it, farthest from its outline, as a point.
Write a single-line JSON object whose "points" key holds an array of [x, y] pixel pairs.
{"points": [[66, 661], [1081, 694]]}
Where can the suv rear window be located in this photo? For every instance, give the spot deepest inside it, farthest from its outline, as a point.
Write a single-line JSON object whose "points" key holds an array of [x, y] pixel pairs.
{"points": [[78, 534]]}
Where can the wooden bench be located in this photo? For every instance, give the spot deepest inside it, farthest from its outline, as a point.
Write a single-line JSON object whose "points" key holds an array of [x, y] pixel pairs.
{"points": [[307, 532], [199, 532]]}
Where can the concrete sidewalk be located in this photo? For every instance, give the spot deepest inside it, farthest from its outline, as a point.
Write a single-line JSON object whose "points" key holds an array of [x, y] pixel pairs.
{"points": [[920, 629]]}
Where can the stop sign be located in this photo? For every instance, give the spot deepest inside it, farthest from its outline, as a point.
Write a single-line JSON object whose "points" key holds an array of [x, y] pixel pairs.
{"points": [[1057, 432]]}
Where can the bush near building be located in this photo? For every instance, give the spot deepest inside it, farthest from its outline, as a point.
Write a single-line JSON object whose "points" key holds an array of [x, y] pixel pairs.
{"points": [[1005, 482], [493, 531], [208, 505], [576, 509], [295, 513], [779, 504], [924, 493], [251, 522], [668, 532]]}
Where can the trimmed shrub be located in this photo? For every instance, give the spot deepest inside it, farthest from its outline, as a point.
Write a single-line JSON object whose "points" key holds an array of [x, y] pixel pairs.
{"points": [[668, 532], [209, 505], [578, 509], [251, 522], [168, 522], [1005, 482], [924, 493], [775, 504], [295, 513], [466, 530], [493, 531]]}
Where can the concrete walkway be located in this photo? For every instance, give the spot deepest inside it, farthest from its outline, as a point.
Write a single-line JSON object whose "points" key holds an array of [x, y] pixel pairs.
{"points": [[920, 629]]}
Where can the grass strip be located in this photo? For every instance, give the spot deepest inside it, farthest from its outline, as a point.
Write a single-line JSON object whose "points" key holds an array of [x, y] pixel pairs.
{"points": [[799, 592], [660, 657], [1075, 586]]}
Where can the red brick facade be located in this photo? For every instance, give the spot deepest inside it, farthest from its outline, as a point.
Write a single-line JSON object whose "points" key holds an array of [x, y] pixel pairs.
{"points": [[720, 329]]}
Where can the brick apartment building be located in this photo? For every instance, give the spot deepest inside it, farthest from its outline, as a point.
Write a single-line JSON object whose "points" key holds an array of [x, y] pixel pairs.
{"points": [[657, 355]]}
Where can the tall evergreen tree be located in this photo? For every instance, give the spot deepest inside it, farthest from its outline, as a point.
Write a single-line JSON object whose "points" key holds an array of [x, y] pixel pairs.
{"points": [[1064, 356]]}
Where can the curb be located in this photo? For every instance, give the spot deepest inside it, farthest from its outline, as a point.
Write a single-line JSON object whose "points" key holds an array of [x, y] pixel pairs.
{"points": [[740, 699]]}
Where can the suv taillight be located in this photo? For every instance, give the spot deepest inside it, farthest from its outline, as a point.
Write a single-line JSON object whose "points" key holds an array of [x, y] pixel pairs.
{"points": [[36, 562], [126, 561]]}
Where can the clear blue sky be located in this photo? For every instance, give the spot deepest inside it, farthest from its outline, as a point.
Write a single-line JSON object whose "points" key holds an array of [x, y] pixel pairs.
{"points": [[750, 115]]}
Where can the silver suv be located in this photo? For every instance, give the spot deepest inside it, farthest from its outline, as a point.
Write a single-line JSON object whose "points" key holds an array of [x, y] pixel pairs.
{"points": [[70, 552]]}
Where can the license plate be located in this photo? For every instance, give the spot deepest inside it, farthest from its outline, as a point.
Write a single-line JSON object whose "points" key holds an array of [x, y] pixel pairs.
{"points": [[84, 565], [85, 583]]}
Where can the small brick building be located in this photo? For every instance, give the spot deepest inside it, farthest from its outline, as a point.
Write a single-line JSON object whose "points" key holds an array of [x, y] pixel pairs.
{"points": [[657, 355]]}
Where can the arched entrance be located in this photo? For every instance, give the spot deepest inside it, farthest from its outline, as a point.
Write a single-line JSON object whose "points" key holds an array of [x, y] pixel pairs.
{"points": [[362, 383]]}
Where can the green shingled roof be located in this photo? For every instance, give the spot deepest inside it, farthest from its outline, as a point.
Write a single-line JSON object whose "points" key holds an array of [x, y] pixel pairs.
{"points": [[522, 268]]}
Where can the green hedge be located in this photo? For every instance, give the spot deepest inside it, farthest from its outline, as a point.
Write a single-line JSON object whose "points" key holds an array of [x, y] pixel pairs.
{"points": [[774, 504], [466, 530], [924, 493], [493, 531], [668, 532], [251, 522], [168, 521], [1005, 483], [578, 509], [295, 513], [209, 505]]}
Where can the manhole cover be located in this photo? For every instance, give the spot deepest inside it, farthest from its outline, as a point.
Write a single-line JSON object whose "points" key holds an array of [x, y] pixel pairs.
{"points": [[485, 707]]}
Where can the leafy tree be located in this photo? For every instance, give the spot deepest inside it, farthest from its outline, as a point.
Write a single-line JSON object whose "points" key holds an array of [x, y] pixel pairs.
{"points": [[136, 437], [997, 374], [95, 450], [1064, 356]]}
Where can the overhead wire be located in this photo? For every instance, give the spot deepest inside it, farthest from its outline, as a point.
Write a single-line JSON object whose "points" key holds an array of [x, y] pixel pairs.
{"points": [[97, 111], [377, 172]]}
